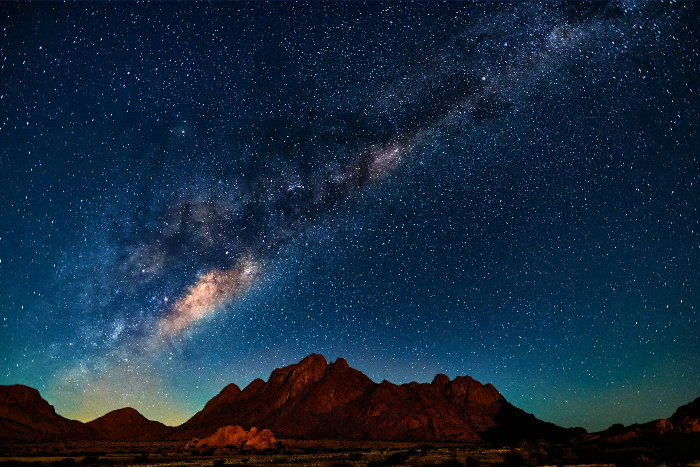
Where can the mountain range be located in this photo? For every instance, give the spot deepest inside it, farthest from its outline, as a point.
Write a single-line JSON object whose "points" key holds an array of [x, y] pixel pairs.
{"points": [[314, 399]]}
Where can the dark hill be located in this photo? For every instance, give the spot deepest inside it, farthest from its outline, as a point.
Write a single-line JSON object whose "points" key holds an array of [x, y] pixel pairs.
{"points": [[26, 416], [128, 424]]}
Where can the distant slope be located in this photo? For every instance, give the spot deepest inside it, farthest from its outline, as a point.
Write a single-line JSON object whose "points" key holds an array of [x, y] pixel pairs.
{"points": [[128, 424], [684, 424], [26, 416]]}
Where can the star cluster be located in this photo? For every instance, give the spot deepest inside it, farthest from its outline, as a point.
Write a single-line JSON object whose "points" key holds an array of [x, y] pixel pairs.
{"points": [[194, 194]]}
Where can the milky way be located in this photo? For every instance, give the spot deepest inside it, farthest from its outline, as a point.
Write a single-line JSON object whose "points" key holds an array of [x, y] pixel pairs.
{"points": [[211, 291], [280, 205], [287, 211], [196, 194]]}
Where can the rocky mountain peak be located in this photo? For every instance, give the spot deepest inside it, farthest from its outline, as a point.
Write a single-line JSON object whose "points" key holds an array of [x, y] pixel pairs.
{"points": [[227, 395], [440, 380]]}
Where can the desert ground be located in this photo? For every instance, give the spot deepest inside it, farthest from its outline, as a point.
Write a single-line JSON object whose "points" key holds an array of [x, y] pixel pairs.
{"points": [[337, 453]]}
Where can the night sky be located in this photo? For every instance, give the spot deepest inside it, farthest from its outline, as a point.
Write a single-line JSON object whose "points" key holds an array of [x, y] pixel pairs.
{"points": [[195, 194]]}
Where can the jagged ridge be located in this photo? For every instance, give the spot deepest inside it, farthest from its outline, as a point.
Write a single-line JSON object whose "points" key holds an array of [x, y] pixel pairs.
{"points": [[317, 400], [312, 399]]}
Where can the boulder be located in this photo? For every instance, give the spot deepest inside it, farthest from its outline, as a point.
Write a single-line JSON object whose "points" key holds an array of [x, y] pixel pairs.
{"points": [[236, 437]]}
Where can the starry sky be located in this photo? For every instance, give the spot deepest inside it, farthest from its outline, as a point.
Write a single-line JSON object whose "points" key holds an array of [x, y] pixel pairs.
{"points": [[194, 194]]}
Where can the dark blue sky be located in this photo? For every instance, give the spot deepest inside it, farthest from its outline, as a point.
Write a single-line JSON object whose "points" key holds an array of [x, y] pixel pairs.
{"points": [[195, 194]]}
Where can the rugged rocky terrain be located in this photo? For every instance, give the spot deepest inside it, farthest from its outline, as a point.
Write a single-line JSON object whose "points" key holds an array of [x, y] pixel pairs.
{"points": [[686, 419], [314, 399]]}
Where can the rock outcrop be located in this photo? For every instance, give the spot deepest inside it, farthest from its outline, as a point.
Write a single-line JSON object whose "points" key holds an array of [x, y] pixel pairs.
{"points": [[686, 419], [128, 424], [314, 399], [26, 417], [235, 437], [684, 422]]}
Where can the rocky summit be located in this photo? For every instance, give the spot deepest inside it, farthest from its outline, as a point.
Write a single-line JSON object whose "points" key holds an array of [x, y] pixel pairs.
{"points": [[314, 399]]}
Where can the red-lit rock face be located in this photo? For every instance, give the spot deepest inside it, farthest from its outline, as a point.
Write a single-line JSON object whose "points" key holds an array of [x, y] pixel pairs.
{"points": [[237, 438], [317, 400]]}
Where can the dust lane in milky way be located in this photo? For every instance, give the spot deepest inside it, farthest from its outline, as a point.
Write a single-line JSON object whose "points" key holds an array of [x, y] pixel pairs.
{"points": [[312, 199]]}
